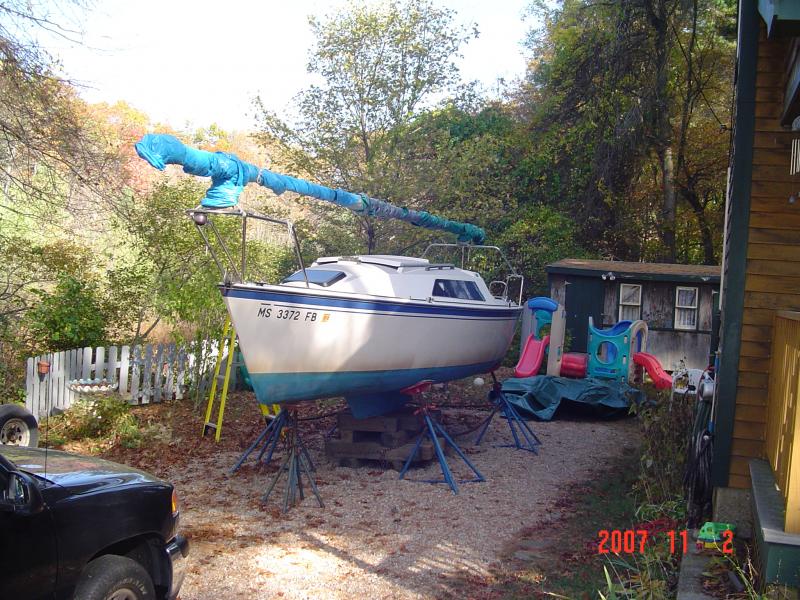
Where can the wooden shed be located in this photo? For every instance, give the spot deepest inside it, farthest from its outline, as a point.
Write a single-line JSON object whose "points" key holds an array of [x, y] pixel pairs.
{"points": [[675, 300], [757, 422]]}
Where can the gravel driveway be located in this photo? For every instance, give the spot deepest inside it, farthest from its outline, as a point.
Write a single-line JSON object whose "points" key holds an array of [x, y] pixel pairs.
{"points": [[378, 537]]}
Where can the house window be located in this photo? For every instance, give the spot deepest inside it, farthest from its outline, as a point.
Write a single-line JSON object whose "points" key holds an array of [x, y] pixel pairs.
{"points": [[686, 308], [630, 302]]}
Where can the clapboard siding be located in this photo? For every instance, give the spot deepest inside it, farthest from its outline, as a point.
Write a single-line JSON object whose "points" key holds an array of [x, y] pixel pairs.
{"points": [[773, 259]]}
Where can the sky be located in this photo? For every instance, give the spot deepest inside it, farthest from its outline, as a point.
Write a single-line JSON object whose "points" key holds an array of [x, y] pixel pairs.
{"points": [[202, 62]]}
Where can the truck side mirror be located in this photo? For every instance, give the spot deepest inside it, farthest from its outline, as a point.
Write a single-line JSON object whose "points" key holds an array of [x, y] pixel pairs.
{"points": [[22, 495]]}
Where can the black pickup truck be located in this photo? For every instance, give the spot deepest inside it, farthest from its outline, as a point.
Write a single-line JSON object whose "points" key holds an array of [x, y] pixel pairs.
{"points": [[85, 528]]}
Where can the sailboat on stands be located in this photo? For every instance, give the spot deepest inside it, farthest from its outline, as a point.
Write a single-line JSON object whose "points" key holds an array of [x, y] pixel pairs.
{"points": [[364, 327]]}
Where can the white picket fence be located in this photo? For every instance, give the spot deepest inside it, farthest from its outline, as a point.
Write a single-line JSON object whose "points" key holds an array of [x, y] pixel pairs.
{"points": [[144, 373]]}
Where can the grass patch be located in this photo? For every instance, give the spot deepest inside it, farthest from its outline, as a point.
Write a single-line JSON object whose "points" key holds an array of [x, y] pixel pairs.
{"points": [[560, 559], [640, 491]]}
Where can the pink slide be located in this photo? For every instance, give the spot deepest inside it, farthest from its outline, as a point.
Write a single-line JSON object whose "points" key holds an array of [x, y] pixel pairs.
{"points": [[657, 373], [532, 357]]}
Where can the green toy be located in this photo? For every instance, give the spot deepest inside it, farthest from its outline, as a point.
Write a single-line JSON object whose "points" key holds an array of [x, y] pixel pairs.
{"points": [[712, 536]]}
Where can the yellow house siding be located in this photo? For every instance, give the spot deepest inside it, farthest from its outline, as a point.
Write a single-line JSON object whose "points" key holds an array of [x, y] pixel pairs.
{"points": [[773, 258]]}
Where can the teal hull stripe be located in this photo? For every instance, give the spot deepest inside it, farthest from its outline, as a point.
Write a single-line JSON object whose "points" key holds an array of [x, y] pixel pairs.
{"points": [[274, 388]]}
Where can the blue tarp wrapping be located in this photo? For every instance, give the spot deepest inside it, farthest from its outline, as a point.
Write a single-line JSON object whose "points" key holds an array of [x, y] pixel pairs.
{"points": [[229, 175], [540, 396]]}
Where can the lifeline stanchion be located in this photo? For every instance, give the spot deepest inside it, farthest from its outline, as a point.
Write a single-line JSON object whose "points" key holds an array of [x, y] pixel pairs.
{"points": [[514, 420], [295, 465], [432, 429]]}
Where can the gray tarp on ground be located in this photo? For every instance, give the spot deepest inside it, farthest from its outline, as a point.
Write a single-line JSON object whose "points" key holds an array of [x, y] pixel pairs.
{"points": [[541, 395]]}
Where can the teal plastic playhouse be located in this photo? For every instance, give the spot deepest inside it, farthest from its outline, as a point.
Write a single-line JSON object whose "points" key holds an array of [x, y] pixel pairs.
{"points": [[611, 350]]}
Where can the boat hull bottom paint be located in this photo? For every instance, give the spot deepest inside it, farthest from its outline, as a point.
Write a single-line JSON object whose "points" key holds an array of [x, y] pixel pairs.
{"points": [[368, 393]]}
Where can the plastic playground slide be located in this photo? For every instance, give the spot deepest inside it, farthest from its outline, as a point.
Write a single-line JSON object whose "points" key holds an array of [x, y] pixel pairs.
{"points": [[650, 363], [532, 356]]}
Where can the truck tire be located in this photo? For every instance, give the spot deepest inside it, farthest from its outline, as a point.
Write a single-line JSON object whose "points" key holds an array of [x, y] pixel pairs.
{"points": [[112, 577], [18, 427]]}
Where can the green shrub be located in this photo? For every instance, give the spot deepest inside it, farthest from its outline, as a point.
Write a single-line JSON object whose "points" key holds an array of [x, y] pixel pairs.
{"points": [[71, 316], [107, 416], [666, 424]]}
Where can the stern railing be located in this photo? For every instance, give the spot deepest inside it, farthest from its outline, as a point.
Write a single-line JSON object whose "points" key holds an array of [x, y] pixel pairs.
{"points": [[467, 253], [232, 270]]}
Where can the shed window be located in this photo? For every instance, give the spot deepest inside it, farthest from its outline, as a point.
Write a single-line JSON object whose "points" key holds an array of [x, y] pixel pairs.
{"points": [[630, 302], [455, 288], [686, 308]]}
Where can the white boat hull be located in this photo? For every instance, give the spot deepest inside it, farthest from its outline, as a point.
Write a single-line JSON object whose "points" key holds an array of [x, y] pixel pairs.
{"points": [[302, 344]]}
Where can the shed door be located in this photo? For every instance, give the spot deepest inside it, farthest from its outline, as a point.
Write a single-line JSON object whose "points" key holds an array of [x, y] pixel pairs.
{"points": [[584, 298]]}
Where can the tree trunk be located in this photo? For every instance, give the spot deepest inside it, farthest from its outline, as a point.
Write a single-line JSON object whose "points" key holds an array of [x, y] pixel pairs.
{"points": [[706, 235], [668, 207], [659, 21]]}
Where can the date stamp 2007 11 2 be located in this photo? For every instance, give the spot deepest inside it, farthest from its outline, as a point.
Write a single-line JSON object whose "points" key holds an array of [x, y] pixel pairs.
{"points": [[632, 541]]}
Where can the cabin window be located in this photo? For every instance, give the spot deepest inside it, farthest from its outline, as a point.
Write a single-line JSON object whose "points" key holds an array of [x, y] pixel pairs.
{"points": [[455, 288], [630, 302], [323, 277], [686, 308]]}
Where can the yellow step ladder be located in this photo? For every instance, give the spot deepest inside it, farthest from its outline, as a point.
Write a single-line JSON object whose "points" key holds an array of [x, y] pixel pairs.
{"points": [[227, 344]]}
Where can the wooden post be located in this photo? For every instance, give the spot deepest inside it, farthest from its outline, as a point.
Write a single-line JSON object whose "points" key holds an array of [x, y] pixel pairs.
{"points": [[170, 376], [136, 369], [180, 376], [124, 365], [147, 372], [86, 370], [36, 390], [29, 377], [55, 380], [71, 375], [111, 370], [158, 374]]}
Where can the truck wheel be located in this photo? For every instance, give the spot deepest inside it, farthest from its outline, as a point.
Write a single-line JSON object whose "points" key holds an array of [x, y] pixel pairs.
{"points": [[112, 577], [18, 427]]}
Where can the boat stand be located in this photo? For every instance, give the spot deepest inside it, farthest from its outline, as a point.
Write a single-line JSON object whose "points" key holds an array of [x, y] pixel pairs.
{"points": [[432, 429], [525, 438], [296, 464], [270, 437]]}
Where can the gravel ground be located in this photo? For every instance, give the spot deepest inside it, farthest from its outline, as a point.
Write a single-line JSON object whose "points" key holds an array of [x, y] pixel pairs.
{"points": [[378, 537]]}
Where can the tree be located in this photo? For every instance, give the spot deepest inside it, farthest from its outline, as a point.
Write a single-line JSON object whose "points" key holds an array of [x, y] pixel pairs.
{"points": [[539, 237], [167, 273], [381, 66], [619, 93], [71, 316], [50, 156]]}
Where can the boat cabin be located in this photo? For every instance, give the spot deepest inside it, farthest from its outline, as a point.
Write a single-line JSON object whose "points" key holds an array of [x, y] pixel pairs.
{"points": [[396, 277]]}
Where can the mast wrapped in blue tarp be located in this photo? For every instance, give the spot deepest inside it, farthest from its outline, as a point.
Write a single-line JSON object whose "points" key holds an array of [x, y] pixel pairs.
{"points": [[229, 175]]}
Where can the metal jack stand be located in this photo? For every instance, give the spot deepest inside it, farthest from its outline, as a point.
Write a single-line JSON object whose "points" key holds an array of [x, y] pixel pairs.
{"points": [[431, 429], [270, 438], [295, 465], [514, 420]]}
